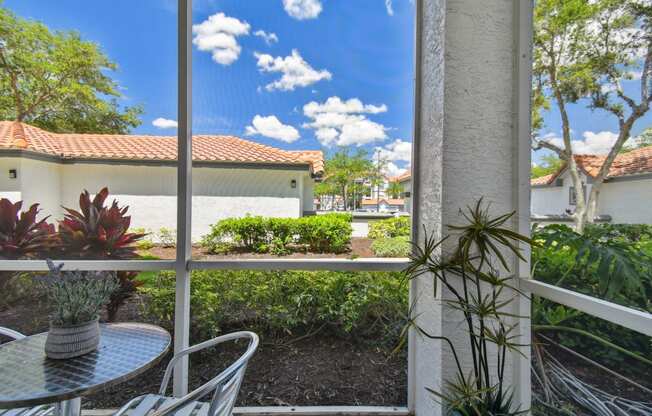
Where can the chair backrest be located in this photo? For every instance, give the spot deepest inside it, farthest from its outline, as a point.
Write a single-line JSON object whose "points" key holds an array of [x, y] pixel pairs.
{"points": [[10, 333], [224, 387]]}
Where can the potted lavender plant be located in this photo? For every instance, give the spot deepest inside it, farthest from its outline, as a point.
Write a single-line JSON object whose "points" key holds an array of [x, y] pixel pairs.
{"points": [[77, 299]]}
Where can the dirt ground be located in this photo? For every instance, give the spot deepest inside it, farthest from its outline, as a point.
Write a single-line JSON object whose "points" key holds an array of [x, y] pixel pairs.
{"points": [[360, 247]]}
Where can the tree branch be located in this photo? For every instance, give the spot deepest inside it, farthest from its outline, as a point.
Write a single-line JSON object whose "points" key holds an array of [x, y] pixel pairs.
{"points": [[542, 144]]}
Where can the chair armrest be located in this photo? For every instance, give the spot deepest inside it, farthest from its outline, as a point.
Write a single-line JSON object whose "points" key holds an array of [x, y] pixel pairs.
{"points": [[253, 343], [11, 333]]}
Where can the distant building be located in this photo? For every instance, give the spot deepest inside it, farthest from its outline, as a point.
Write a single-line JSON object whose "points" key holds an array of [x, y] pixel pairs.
{"points": [[384, 205], [232, 177], [626, 195]]}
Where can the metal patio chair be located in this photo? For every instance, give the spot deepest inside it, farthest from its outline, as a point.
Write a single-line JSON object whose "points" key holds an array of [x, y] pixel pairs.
{"points": [[42, 410], [224, 387]]}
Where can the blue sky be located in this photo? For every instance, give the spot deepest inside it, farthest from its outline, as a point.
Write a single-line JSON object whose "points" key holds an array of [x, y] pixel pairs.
{"points": [[359, 54], [356, 53]]}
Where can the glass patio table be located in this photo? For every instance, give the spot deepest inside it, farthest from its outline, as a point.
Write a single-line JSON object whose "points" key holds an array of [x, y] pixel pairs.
{"points": [[29, 378]]}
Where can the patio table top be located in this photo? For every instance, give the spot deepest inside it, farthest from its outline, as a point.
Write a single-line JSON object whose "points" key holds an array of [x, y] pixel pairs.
{"points": [[29, 378]]}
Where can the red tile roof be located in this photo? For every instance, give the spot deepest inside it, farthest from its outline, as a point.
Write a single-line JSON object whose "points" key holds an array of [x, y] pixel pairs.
{"points": [[634, 162], [388, 201], [207, 148], [402, 177]]}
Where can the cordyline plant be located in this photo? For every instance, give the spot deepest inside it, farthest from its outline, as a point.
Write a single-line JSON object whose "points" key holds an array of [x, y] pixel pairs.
{"points": [[97, 231], [21, 236], [470, 273], [76, 297]]}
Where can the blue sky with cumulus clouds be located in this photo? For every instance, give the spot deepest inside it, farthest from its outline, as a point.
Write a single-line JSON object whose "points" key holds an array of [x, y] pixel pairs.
{"points": [[295, 74]]}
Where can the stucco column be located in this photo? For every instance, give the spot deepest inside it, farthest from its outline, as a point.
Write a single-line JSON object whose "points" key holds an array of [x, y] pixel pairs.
{"points": [[471, 141]]}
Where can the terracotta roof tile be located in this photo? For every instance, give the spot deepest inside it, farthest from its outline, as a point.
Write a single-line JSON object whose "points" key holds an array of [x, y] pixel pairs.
{"points": [[543, 180], [402, 177], [631, 163], [389, 201], [206, 148]]}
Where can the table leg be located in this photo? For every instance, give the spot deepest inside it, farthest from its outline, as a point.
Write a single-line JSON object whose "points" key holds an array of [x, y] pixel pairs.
{"points": [[70, 407]]}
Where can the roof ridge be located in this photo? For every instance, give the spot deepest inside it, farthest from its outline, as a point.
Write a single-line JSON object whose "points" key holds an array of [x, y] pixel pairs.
{"points": [[17, 135], [208, 147]]}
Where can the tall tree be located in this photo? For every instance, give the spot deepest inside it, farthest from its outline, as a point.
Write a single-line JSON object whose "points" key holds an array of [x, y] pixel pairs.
{"points": [[394, 189], [583, 51], [344, 168], [57, 81]]}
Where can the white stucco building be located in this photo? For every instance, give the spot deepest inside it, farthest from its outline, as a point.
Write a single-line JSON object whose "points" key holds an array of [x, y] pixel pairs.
{"points": [[232, 177], [626, 195]]}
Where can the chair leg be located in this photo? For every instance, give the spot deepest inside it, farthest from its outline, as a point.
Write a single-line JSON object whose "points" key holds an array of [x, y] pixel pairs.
{"points": [[70, 407]]}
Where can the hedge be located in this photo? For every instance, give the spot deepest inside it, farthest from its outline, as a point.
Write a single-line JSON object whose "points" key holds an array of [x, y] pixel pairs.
{"points": [[286, 303], [329, 233], [392, 247], [390, 228]]}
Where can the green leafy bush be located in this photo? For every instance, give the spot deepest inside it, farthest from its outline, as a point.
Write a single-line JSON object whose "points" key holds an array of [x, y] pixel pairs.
{"points": [[292, 302], [321, 233], [390, 228], [392, 247], [607, 261]]}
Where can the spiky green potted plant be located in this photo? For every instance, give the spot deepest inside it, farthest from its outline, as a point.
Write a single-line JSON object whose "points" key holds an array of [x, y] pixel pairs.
{"points": [[76, 300], [467, 263], [98, 231]]}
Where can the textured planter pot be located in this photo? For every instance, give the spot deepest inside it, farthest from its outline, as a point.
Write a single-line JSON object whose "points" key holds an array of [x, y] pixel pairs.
{"points": [[72, 341]]}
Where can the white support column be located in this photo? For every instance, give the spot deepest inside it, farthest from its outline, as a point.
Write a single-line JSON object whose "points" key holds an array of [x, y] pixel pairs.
{"points": [[467, 146], [522, 166], [184, 196]]}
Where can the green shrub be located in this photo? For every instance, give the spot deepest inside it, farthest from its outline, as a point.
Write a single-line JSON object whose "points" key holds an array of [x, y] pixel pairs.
{"points": [[292, 302], [392, 247], [320, 233], [609, 261], [390, 228], [325, 233]]}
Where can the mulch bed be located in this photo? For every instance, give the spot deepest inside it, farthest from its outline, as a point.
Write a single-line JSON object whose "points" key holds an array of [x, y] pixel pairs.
{"points": [[360, 247]]}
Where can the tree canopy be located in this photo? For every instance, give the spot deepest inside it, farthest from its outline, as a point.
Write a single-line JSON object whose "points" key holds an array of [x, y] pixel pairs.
{"points": [[58, 81], [583, 51]]}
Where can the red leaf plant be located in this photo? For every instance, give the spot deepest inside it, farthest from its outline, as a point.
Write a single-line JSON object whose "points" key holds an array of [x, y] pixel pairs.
{"points": [[21, 235], [97, 231]]}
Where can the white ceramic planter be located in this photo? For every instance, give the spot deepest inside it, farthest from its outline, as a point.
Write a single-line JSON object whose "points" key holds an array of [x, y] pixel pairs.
{"points": [[72, 341]]}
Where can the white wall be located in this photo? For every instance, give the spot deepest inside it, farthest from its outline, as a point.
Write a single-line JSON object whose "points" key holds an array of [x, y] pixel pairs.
{"points": [[626, 201], [9, 188], [150, 191]]}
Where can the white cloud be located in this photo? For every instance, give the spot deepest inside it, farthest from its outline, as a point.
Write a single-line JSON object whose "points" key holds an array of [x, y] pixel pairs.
{"points": [[398, 150], [217, 35], [165, 123], [269, 38], [391, 169], [336, 105], [593, 143], [296, 71], [388, 6], [344, 123], [302, 9], [270, 126]]}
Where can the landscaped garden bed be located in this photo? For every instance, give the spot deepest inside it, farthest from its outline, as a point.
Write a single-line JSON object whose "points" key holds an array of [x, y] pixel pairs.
{"points": [[324, 335]]}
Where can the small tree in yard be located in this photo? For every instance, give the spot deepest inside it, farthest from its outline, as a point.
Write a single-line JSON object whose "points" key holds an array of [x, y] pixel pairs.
{"points": [[57, 81], [394, 189], [583, 51]]}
